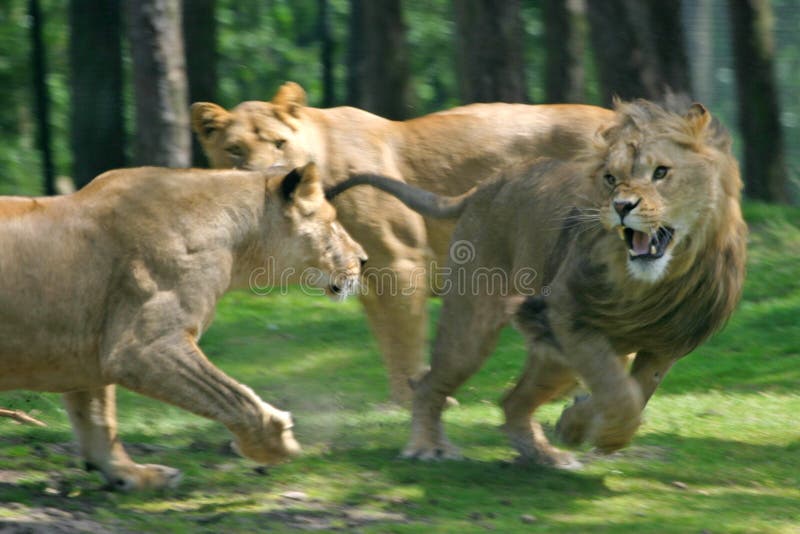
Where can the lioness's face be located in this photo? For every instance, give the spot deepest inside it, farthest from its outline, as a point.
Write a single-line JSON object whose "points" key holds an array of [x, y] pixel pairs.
{"points": [[253, 135], [314, 249], [657, 191]]}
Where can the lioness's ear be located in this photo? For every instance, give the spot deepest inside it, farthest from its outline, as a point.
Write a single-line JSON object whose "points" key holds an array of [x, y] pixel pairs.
{"points": [[303, 186], [698, 117], [208, 118], [289, 99]]}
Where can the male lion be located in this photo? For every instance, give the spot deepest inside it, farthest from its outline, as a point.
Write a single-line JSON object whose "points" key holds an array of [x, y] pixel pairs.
{"points": [[115, 283], [446, 152], [639, 248]]}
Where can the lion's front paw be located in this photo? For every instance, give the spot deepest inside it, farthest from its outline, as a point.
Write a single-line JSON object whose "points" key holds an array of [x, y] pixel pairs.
{"points": [[429, 451], [611, 435], [573, 426], [133, 477], [552, 457], [533, 447]]}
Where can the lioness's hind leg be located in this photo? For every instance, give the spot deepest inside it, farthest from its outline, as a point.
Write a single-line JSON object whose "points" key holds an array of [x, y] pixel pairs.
{"points": [[543, 379], [173, 369], [398, 316], [94, 420]]}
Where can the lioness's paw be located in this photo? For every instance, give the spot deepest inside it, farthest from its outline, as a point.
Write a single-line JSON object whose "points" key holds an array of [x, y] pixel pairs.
{"points": [[272, 443], [134, 477]]}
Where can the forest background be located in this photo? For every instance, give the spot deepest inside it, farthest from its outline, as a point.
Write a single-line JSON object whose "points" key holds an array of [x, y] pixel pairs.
{"points": [[89, 85]]}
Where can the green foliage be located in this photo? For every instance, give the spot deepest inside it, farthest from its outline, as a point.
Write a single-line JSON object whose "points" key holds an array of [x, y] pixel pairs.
{"points": [[717, 452]]}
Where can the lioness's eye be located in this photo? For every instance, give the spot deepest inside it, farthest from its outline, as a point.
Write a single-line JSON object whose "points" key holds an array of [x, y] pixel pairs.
{"points": [[279, 143], [660, 172], [235, 150], [610, 179]]}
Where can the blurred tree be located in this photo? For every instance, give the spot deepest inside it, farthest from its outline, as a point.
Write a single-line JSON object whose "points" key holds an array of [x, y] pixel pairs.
{"points": [[639, 48], [565, 43], [97, 127], [326, 45], [159, 76], [765, 172], [200, 41], [489, 37], [378, 63], [41, 96]]}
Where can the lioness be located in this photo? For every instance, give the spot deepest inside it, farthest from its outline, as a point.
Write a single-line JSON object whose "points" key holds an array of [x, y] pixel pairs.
{"points": [[115, 283], [446, 152], [639, 248]]}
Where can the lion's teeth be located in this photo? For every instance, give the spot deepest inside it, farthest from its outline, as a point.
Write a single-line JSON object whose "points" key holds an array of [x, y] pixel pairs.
{"points": [[621, 232], [631, 253], [653, 250]]}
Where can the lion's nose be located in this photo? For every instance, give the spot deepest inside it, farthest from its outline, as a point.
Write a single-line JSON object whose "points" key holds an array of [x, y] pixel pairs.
{"points": [[624, 207], [363, 261]]}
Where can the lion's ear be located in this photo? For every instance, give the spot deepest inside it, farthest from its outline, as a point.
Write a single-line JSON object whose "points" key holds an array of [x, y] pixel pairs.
{"points": [[289, 99], [698, 117], [303, 186], [208, 118]]}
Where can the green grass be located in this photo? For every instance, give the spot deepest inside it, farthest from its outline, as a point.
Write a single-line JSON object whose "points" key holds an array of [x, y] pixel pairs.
{"points": [[719, 450]]}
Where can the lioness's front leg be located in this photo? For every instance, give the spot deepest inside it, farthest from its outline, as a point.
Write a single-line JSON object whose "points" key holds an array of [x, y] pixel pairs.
{"points": [[94, 420], [172, 368], [648, 371]]}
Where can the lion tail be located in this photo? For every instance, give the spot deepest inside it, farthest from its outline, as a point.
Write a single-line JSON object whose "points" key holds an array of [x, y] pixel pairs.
{"points": [[423, 202]]}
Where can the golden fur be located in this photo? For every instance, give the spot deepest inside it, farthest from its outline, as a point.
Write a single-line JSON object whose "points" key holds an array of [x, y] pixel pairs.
{"points": [[446, 152], [638, 246], [114, 284]]}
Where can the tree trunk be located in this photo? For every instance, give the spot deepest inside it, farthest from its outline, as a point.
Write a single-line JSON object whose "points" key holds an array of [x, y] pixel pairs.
{"points": [[565, 43], [200, 40], [700, 40], [765, 171], [97, 127], [41, 96], [489, 37], [326, 46], [378, 78], [159, 76], [638, 47]]}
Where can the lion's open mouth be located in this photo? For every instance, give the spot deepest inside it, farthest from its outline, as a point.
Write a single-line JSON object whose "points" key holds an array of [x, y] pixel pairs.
{"points": [[642, 246]]}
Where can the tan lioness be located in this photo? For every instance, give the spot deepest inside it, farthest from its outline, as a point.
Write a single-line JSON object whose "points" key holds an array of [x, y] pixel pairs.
{"points": [[115, 283], [446, 152], [637, 247]]}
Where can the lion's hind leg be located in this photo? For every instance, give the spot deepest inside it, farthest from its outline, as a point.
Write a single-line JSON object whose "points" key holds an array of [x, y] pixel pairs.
{"points": [[94, 420], [467, 332], [544, 378]]}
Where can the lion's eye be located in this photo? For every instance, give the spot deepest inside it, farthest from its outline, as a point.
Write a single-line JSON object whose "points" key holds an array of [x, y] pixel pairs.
{"points": [[279, 143], [610, 179], [660, 173]]}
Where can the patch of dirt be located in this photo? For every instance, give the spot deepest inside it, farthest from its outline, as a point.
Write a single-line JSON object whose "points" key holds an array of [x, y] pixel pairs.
{"points": [[316, 517], [48, 520]]}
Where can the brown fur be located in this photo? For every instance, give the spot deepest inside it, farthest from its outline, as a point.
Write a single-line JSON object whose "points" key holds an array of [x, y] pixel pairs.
{"points": [[446, 153], [594, 305], [114, 284]]}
